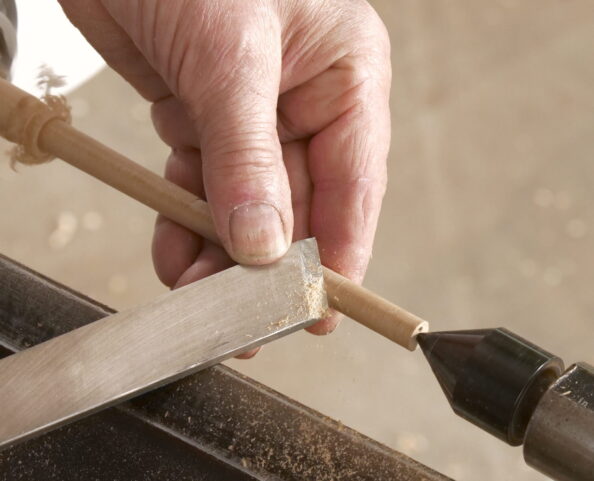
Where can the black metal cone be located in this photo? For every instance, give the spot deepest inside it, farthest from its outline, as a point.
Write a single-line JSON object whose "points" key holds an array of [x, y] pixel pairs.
{"points": [[447, 353]]}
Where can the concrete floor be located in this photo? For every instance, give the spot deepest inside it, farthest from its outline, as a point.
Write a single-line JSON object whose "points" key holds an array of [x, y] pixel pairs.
{"points": [[488, 219]]}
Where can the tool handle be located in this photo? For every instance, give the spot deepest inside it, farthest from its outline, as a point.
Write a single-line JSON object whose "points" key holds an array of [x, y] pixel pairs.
{"points": [[62, 140]]}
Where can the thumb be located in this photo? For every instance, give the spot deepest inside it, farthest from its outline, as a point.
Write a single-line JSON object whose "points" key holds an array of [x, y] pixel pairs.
{"points": [[244, 175]]}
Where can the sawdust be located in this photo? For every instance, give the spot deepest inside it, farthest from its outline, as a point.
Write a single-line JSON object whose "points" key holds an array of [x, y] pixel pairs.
{"points": [[307, 301], [277, 438], [277, 325], [313, 301]]}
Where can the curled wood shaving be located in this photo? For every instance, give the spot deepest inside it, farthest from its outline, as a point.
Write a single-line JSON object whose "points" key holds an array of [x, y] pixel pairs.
{"points": [[28, 152]]}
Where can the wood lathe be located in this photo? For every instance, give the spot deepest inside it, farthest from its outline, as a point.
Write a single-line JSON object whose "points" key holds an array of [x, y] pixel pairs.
{"points": [[498, 381]]}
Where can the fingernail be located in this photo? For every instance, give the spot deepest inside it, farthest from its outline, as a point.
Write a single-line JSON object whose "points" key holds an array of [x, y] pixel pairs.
{"points": [[257, 233]]}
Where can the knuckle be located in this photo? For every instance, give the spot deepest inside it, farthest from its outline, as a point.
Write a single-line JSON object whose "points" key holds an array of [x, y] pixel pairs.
{"points": [[228, 50], [248, 161], [247, 154], [256, 140], [373, 41], [369, 19]]}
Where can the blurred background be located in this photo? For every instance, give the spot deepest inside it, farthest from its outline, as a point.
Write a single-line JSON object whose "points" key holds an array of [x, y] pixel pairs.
{"points": [[488, 220]]}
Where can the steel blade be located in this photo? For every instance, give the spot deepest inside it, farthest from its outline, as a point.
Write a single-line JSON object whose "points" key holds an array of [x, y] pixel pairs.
{"points": [[130, 352]]}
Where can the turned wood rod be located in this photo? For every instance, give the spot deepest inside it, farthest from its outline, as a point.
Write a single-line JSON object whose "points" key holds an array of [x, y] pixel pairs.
{"points": [[24, 119]]}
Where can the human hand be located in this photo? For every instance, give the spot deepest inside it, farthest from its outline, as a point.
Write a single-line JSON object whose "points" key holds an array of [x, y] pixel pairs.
{"points": [[277, 112]]}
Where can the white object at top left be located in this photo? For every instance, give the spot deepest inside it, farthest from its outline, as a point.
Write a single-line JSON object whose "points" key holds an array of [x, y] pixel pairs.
{"points": [[45, 36]]}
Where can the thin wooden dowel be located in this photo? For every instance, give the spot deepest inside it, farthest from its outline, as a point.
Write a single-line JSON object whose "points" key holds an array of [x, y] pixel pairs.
{"points": [[128, 177], [373, 311], [58, 138]]}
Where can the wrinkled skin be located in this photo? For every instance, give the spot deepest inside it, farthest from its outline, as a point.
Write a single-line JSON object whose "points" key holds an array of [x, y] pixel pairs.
{"points": [[272, 108]]}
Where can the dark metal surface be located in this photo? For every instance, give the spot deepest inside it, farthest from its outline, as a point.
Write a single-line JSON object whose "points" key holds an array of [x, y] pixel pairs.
{"points": [[214, 425], [491, 377], [560, 437]]}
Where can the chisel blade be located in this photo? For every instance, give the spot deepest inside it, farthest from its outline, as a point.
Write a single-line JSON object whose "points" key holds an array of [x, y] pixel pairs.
{"points": [[131, 352]]}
